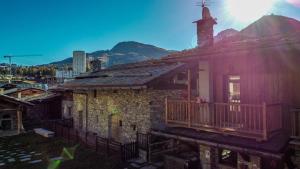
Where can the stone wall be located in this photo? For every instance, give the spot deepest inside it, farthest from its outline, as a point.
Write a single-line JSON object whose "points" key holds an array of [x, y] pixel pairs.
{"points": [[137, 110], [157, 106]]}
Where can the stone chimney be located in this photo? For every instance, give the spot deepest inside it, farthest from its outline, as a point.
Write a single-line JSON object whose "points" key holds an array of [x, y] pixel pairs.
{"points": [[19, 95], [205, 28]]}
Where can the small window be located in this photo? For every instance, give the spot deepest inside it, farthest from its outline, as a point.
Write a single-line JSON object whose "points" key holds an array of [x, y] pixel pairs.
{"points": [[181, 76], [227, 157], [234, 89], [95, 93]]}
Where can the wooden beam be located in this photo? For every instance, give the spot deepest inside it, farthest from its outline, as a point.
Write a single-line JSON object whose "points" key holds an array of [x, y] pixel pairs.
{"points": [[217, 145], [8, 109]]}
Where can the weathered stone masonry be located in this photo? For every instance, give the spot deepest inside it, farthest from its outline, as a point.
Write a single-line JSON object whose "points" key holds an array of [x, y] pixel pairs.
{"points": [[139, 110]]}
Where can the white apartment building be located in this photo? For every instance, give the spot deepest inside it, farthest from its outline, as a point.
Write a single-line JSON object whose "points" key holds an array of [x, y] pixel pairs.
{"points": [[79, 62]]}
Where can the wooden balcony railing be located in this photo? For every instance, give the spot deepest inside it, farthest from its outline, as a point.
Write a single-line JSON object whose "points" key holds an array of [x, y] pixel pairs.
{"points": [[245, 120]]}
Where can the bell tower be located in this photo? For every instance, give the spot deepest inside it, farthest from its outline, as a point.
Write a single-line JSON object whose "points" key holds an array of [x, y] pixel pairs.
{"points": [[205, 28]]}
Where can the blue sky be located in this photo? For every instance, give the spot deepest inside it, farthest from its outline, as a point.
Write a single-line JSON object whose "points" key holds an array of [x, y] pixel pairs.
{"points": [[54, 28]]}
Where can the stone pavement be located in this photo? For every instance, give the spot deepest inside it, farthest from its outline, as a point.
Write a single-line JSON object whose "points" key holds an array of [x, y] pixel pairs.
{"points": [[15, 153]]}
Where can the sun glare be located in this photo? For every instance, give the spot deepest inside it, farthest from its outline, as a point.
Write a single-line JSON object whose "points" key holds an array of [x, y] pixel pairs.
{"points": [[248, 10]]}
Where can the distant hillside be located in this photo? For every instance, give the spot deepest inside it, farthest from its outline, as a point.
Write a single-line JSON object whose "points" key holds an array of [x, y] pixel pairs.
{"points": [[125, 52], [225, 34], [266, 26], [270, 25]]}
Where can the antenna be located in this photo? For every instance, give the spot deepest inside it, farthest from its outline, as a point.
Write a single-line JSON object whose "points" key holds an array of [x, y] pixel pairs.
{"points": [[12, 56], [203, 3]]}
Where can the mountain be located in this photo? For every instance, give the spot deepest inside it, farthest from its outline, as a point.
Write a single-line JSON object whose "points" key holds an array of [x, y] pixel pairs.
{"points": [[271, 25], [225, 34], [125, 52], [266, 26]]}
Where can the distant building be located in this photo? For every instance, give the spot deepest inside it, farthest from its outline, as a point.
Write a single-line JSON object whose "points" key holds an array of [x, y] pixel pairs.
{"points": [[104, 61], [95, 64], [79, 62], [64, 75]]}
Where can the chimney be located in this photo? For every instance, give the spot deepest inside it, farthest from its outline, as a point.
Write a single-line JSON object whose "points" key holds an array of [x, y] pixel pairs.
{"points": [[205, 28], [19, 95]]}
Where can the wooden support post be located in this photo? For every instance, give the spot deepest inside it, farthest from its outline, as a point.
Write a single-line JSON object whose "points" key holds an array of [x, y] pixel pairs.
{"points": [[69, 135], [107, 147], [265, 125], [189, 97], [86, 138], [166, 110], [96, 144], [19, 121]]}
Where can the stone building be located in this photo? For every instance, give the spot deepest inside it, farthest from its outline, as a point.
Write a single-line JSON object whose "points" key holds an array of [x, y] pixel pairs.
{"points": [[123, 100]]}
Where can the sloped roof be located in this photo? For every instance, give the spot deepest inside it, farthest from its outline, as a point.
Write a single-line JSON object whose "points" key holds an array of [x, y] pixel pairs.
{"points": [[41, 97], [15, 100], [287, 43], [136, 75], [22, 89]]}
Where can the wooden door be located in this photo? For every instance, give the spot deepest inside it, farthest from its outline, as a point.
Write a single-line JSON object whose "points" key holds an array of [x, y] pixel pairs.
{"points": [[114, 127], [232, 93]]}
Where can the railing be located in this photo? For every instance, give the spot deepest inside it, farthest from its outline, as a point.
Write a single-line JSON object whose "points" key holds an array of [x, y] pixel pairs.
{"points": [[246, 120], [103, 145], [295, 123]]}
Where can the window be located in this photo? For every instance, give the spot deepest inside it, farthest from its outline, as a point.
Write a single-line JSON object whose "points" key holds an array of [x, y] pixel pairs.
{"points": [[234, 89], [95, 93], [227, 157], [69, 111], [181, 76]]}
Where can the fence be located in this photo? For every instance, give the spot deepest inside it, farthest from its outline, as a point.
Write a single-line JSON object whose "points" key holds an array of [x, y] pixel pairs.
{"points": [[101, 145]]}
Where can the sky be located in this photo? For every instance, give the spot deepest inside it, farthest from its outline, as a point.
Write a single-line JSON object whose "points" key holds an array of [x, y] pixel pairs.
{"points": [[54, 28]]}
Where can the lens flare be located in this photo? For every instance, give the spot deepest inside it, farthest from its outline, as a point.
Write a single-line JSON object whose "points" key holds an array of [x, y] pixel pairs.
{"points": [[294, 2], [248, 10]]}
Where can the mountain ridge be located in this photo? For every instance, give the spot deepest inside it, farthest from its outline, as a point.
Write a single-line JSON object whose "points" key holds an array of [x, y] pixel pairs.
{"points": [[124, 52]]}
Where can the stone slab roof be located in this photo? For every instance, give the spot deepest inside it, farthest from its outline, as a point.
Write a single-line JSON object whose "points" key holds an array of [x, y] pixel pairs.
{"points": [[136, 75]]}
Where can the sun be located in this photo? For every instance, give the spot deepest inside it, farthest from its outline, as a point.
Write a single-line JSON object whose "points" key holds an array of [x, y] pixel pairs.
{"points": [[248, 10]]}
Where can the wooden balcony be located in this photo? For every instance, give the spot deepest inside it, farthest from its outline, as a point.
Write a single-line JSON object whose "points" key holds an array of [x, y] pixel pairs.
{"points": [[244, 120]]}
